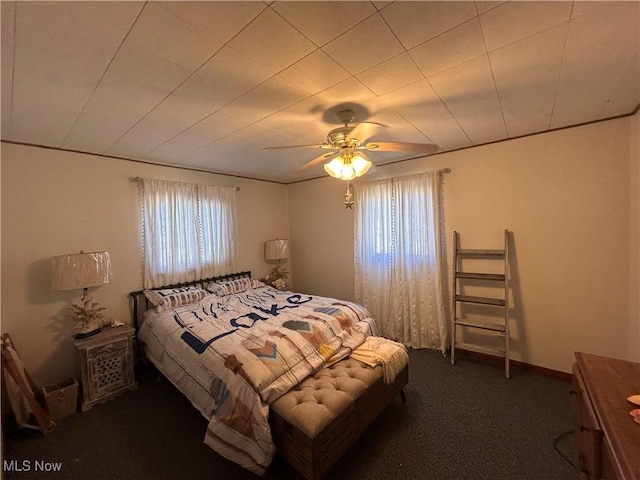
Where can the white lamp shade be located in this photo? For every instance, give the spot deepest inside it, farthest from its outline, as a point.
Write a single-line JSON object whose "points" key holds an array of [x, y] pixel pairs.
{"points": [[347, 170], [276, 249], [80, 270]]}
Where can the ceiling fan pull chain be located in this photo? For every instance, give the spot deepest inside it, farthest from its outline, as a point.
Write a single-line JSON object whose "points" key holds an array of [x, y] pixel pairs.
{"points": [[348, 197]]}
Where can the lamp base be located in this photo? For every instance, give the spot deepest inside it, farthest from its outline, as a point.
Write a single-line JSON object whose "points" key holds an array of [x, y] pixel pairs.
{"points": [[87, 334]]}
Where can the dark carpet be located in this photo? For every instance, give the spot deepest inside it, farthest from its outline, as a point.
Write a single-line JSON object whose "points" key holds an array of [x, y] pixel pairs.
{"points": [[460, 422]]}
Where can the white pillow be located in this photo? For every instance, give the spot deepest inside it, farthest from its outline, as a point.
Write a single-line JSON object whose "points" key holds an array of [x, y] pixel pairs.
{"points": [[234, 286], [165, 299]]}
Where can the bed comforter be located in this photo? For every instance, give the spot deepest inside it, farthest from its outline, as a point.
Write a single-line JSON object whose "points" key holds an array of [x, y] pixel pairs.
{"points": [[234, 355]]}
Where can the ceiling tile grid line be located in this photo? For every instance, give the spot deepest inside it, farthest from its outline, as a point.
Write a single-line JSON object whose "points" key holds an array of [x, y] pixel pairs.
{"points": [[207, 85], [213, 54], [493, 76], [102, 77], [106, 149], [558, 79], [235, 99], [248, 92]]}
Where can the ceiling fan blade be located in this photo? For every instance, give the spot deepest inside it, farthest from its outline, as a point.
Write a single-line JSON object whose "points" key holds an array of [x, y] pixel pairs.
{"points": [[316, 145], [316, 161], [364, 130], [425, 148]]}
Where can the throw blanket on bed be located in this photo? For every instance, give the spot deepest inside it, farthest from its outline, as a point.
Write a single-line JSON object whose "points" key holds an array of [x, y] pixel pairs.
{"points": [[381, 351], [244, 351]]}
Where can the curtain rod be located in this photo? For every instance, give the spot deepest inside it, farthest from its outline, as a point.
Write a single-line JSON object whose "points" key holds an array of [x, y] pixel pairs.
{"points": [[139, 179]]}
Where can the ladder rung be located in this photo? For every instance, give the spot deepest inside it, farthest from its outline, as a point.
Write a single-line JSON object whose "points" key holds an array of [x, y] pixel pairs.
{"points": [[481, 276], [498, 302], [477, 348], [496, 327], [474, 252]]}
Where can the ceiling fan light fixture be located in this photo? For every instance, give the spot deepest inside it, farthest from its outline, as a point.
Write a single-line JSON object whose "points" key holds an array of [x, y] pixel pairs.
{"points": [[361, 165], [347, 169]]}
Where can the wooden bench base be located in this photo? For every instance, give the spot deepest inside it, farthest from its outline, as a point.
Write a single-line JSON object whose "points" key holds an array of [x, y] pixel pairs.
{"points": [[314, 424]]}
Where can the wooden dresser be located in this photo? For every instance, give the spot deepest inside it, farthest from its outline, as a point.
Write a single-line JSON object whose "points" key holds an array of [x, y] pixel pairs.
{"points": [[106, 365], [608, 439]]}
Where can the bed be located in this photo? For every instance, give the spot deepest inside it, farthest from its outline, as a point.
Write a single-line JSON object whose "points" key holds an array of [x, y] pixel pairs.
{"points": [[234, 346]]}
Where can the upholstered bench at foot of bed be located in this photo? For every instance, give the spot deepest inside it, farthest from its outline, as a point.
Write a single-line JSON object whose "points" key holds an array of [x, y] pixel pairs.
{"points": [[315, 423]]}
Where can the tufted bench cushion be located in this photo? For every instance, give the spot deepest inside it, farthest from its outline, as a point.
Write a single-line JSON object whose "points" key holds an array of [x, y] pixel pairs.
{"points": [[315, 423]]}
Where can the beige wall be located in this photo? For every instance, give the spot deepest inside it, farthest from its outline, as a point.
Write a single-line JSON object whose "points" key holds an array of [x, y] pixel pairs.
{"points": [[571, 198], [56, 202], [571, 203]]}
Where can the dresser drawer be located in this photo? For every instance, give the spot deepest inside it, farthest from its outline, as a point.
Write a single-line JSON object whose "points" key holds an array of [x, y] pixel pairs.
{"points": [[588, 433], [114, 346]]}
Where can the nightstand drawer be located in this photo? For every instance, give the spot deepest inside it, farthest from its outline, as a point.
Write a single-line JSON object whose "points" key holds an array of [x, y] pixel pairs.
{"points": [[114, 346]]}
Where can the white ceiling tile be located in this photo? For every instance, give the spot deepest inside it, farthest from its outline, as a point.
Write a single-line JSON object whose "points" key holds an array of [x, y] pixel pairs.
{"points": [[452, 48], [271, 43], [213, 128], [303, 112], [485, 5], [145, 67], [321, 22], [185, 143], [626, 92], [587, 81], [469, 92], [380, 4], [315, 72], [420, 106], [515, 21], [527, 82], [7, 17], [416, 22], [267, 98], [395, 73], [221, 20], [368, 44], [349, 91], [174, 115], [611, 10], [167, 35], [256, 135], [225, 77], [62, 50], [115, 106], [218, 154], [405, 133], [606, 22], [310, 134], [225, 122]]}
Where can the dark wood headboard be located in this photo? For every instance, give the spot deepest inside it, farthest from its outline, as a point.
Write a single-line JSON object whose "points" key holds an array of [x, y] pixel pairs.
{"points": [[139, 294]]}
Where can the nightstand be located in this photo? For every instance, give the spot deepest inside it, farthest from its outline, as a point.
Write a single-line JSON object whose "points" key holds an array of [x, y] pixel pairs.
{"points": [[106, 365]]}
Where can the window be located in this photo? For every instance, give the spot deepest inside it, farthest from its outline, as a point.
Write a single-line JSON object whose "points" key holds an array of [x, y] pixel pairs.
{"points": [[189, 231], [398, 258]]}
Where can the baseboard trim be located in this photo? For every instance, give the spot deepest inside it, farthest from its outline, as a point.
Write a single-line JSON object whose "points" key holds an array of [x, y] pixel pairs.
{"points": [[515, 365]]}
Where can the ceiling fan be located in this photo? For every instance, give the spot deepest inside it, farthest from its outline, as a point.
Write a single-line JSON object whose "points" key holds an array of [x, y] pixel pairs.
{"points": [[347, 145]]}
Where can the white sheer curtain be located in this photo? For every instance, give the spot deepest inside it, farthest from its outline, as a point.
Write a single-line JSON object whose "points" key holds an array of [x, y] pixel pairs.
{"points": [[189, 231], [398, 258]]}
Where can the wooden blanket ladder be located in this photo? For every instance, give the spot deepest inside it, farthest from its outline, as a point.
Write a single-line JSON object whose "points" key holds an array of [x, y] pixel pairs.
{"points": [[499, 260], [13, 368]]}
